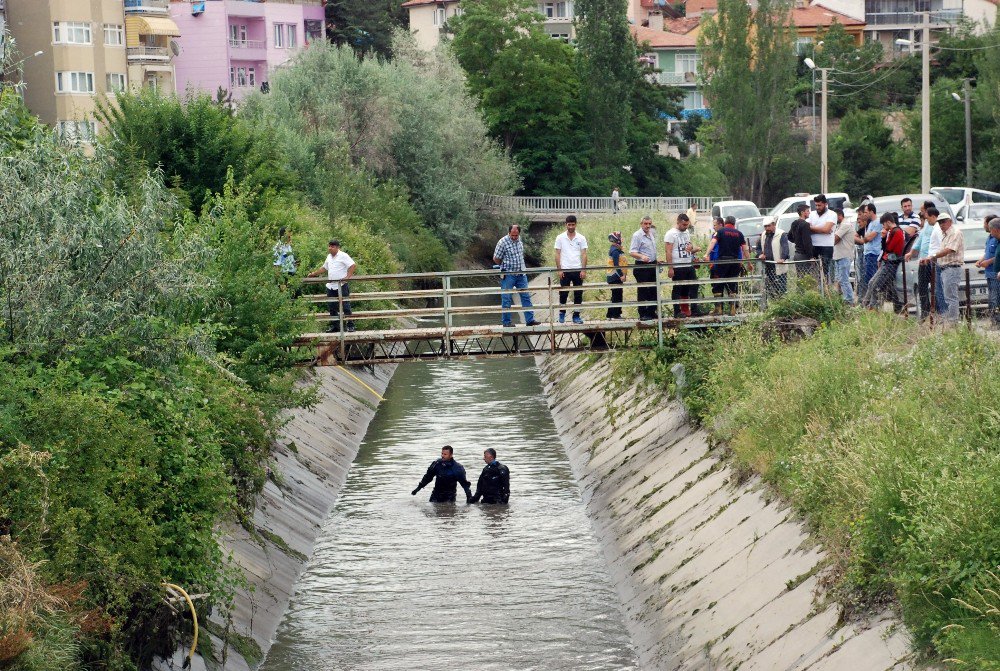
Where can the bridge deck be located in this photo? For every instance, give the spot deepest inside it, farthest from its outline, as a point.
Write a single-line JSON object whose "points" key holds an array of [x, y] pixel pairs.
{"points": [[471, 342]]}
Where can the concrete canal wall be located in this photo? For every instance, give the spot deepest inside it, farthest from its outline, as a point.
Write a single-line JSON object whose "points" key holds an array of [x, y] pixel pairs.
{"points": [[712, 573], [311, 461]]}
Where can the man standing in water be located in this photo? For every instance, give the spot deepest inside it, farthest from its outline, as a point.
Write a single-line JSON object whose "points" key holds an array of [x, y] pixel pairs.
{"points": [[494, 482], [446, 473]]}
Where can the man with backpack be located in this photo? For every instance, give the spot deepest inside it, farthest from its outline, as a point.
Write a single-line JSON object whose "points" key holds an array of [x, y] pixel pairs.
{"points": [[883, 284]]}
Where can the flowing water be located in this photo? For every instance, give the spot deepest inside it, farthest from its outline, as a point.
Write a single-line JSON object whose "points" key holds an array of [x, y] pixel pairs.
{"points": [[397, 582]]}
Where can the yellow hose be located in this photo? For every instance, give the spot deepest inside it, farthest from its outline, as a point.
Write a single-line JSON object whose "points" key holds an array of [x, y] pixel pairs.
{"points": [[363, 383], [194, 618]]}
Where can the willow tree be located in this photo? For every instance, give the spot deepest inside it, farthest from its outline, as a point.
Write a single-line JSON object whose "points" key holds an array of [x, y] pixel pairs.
{"points": [[607, 58], [748, 75]]}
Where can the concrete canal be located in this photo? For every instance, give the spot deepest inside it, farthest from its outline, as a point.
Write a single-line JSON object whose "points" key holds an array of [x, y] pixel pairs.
{"points": [[396, 582]]}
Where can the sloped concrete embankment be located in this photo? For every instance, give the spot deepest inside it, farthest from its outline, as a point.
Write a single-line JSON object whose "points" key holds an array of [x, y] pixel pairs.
{"points": [[310, 465], [713, 573]]}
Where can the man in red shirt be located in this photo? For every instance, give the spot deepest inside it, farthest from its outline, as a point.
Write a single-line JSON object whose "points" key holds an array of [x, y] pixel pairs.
{"points": [[883, 284]]}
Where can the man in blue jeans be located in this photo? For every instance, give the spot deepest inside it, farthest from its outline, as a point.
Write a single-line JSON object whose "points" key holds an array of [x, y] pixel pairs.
{"points": [[509, 255]]}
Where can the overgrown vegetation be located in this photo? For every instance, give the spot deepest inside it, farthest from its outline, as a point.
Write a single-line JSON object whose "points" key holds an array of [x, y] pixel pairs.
{"points": [[145, 336], [878, 431]]}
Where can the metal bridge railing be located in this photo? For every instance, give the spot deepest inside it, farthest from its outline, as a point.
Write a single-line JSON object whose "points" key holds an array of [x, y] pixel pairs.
{"points": [[593, 205], [449, 306]]}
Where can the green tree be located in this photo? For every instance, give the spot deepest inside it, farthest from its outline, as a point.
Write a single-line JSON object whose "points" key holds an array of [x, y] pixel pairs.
{"points": [[365, 26], [748, 77], [986, 142], [866, 160], [196, 141], [607, 63], [853, 68]]}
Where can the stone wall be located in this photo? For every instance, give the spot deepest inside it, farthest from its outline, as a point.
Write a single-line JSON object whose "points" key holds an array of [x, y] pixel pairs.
{"points": [[311, 461], [713, 571]]}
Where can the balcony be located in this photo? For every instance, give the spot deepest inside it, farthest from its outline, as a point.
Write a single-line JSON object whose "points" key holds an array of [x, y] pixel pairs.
{"points": [[147, 6], [679, 78], [148, 54], [941, 18], [247, 44]]}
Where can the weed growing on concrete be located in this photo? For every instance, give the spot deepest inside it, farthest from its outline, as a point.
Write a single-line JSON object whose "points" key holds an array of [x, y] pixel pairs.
{"points": [[883, 434]]}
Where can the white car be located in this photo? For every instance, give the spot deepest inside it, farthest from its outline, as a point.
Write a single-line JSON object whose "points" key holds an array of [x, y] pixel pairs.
{"points": [[741, 209], [786, 211], [957, 195], [975, 213]]}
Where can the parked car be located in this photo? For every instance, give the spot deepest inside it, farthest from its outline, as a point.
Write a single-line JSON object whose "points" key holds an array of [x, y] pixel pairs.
{"points": [[786, 211], [752, 228], [974, 236], [741, 209], [970, 213], [956, 195]]}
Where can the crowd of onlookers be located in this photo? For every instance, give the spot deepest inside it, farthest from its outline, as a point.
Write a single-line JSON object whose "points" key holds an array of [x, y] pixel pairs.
{"points": [[821, 243]]}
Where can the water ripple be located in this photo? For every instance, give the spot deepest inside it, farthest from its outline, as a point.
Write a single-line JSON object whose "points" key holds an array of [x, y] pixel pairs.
{"points": [[399, 583]]}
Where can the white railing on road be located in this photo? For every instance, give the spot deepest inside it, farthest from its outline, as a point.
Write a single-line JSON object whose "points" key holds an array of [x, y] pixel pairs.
{"points": [[587, 205]]}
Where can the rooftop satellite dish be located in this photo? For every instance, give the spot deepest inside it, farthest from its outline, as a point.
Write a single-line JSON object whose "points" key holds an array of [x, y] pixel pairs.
{"points": [[175, 48]]}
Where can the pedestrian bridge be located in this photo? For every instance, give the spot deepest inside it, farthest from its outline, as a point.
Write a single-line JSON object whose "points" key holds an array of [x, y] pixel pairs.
{"points": [[457, 315], [555, 208]]}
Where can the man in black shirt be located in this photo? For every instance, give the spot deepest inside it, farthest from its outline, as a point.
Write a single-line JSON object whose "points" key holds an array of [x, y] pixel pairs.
{"points": [[800, 235], [494, 482], [732, 247], [447, 474]]}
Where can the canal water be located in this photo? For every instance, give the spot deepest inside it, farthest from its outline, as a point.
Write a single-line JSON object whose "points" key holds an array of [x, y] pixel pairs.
{"points": [[399, 583]]}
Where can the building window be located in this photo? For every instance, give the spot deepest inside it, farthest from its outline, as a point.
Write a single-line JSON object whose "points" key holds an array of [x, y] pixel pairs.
{"points": [[554, 10], [71, 32], [232, 77], [440, 16], [116, 82], [114, 35], [314, 30], [693, 100], [237, 33], [687, 64], [74, 82], [293, 36], [251, 77], [81, 131], [560, 36], [279, 36]]}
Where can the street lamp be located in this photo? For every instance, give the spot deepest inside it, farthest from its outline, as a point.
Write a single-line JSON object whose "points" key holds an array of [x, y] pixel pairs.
{"points": [[823, 163], [966, 98], [812, 91]]}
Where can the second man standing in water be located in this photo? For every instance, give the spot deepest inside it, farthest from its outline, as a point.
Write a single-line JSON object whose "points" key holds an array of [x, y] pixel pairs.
{"points": [[494, 482]]}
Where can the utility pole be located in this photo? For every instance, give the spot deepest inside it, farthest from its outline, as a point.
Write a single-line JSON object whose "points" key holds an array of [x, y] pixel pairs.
{"points": [[967, 91], [824, 176], [925, 111]]}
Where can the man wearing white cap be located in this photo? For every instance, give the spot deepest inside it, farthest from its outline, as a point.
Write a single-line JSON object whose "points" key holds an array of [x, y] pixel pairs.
{"points": [[772, 248], [949, 260]]}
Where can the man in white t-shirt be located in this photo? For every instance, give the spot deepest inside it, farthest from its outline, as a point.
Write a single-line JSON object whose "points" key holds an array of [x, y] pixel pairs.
{"points": [[339, 267], [822, 223], [680, 251], [571, 260]]}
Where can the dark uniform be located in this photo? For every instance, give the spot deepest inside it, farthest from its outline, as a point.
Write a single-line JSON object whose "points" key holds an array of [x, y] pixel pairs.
{"points": [[446, 475], [494, 484]]}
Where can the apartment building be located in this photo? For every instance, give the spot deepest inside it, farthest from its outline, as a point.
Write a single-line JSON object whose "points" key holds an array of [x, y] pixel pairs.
{"points": [[235, 45], [888, 20], [83, 57], [428, 19], [150, 38]]}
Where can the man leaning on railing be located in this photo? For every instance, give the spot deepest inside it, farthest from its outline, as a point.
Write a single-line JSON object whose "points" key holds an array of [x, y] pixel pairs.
{"points": [[509, 256]]}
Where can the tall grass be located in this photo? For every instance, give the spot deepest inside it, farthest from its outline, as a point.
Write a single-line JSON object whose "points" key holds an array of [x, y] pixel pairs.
{"points": [[887, 437]]}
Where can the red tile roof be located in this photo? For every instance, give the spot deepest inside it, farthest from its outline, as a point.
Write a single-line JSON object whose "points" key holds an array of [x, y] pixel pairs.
{"points": [[681, 26], [662, 39], [817, 15]]}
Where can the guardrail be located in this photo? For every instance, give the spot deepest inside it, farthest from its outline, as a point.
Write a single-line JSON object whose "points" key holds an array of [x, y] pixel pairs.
{"points": [[158, 6], [463, 310], [587, 205]]}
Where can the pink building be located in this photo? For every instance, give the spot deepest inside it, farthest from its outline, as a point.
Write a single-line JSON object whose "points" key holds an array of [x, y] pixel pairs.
{"points": [[236, 44]]}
